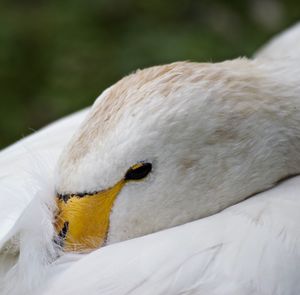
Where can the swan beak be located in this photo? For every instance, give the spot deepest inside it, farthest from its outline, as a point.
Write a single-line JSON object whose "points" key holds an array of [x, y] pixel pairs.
{"points": [[82, 221]]}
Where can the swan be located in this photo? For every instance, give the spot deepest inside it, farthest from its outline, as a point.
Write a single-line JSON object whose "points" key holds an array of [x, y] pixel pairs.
{"points": [[284, 45], [175, 143], [246, 112]]}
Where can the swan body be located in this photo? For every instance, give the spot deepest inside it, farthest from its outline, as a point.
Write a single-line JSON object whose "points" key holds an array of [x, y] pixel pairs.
{"points": [[250, 248], [20, 160], [284, 45]]}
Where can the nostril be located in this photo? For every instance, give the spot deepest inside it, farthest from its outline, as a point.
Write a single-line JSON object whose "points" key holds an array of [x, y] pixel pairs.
{"points": [[62, 234], [59, 240]]}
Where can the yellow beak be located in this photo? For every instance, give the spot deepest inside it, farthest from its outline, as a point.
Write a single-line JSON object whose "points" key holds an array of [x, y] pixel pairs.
{"points": [[82, 222]]}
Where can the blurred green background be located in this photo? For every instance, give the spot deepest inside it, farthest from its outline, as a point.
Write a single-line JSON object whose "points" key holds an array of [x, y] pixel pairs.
{"points": [[57, 56]]}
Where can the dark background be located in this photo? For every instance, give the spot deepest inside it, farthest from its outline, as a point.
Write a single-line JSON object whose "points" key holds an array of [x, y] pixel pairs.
{"points": [[56, 57]]}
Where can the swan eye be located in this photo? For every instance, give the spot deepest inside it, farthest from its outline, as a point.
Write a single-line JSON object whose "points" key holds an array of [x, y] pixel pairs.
{"points": [[138, 171]]}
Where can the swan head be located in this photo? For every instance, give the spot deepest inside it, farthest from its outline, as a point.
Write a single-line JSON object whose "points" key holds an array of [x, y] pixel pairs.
{"points": [[163, 146]]}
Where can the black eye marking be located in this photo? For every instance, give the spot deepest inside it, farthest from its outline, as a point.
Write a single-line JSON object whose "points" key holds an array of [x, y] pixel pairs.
{"points": [[65, 198], [138, 171]]}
